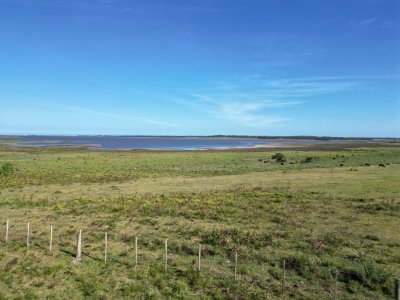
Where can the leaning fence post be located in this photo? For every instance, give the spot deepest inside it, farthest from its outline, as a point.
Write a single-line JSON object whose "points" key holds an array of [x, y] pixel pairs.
{"points": [[7, 226], [283, 275], [51, 237], [105, 247], [236, 258], [166, 255], [27, 235], [335, 287], [397, 289], [136, 260], [199, 266], [79, 247]]}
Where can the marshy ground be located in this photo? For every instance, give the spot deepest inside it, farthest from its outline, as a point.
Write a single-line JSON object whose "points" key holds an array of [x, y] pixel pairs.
{"points": [[321, 210]]}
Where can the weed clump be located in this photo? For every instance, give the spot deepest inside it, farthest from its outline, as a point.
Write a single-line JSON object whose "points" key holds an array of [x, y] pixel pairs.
{"points": [[308, 159], [7, 169], [370, 275], [279, 157], [333, 239], [302, 264]]}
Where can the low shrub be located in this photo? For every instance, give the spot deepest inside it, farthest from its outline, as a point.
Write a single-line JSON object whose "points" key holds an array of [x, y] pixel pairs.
{"points": [[308, 159], [7, 169], [279, 157], [370, 275]]}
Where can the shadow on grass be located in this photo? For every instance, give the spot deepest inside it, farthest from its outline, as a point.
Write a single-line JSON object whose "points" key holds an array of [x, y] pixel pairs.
{"points": [[85, 254], [22, 245]]}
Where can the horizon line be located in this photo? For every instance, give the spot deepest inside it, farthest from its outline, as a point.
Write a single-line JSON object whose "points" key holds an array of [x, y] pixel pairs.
{"points": [[205, 136]]}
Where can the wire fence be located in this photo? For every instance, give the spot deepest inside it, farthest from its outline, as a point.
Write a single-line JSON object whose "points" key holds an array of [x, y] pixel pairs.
{"points": [[100, 243]]}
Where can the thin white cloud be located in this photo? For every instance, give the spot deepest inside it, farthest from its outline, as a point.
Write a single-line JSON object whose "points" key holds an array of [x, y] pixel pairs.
{"points": [[119, 116], [88, 111], [249, 113], [368, 21], [284, 89], [257, 101], [309, 87], [278, 50], [391, 24], [384, 24]]}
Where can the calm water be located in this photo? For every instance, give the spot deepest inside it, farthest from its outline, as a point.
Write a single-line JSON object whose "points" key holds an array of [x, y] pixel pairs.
{"points": [[164, 143]]}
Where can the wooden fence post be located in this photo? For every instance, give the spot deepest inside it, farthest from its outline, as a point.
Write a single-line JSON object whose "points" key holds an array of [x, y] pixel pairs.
{"points": [[79, 247], [7, 226], [51, 237], [166, 255], [199, 266], [236, 258], [105, 246], [27, 235], [283, 275], [136, 249], [397, 289]]}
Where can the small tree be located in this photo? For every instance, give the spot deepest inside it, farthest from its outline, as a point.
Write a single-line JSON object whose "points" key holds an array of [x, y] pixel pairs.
{"points": [[279, 157], [7, 169]]}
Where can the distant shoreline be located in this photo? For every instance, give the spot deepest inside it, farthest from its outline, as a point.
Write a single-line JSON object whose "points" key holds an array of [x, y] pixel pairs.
{"points": [[286, 137], [179, 144]]}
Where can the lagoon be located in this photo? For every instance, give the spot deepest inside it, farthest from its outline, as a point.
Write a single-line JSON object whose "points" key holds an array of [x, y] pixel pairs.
{"points": [[153, 142]]}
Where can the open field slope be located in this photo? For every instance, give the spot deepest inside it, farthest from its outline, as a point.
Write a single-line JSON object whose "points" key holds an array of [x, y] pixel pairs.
{"points": [[321, 211]]}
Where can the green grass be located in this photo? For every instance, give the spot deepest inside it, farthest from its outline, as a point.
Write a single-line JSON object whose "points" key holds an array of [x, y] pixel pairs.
{"points": [[51, 166], [318, 216]]}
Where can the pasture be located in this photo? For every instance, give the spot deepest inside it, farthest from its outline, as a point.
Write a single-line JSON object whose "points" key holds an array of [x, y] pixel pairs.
{"points": [[320, 210]]}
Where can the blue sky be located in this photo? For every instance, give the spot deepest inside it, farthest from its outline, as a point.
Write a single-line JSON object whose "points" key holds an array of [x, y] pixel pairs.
{"points": [[201, 67]]}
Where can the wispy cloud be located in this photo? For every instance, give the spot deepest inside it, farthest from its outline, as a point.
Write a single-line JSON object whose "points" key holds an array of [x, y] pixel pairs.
{"points": [[122, 6], [54, 106], [118, 116], [391, 24], [277, 50], [368, 21], [364, 22], [256, 101], [245, 113], [377, 22], [250, 114], [309, 87]]}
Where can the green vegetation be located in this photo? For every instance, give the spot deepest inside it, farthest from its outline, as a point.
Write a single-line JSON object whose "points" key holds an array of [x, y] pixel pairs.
{"points": [[7, 169], [47, 166], [279, 157], [311, 212]]}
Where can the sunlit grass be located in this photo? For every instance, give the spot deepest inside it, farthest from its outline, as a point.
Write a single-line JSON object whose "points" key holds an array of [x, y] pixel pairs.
{"points": [[317, 216]]}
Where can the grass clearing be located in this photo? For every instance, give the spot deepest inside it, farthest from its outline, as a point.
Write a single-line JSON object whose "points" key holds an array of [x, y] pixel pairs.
{"points": [[317, 215]]}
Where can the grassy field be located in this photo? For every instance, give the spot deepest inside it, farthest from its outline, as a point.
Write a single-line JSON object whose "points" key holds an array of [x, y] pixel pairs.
{"points": [[321, 211]]}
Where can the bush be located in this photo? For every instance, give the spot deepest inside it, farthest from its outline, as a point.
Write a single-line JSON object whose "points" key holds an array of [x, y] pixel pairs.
{"points": [[279, 157], [177, 290], [212, 238], [7, 169], [223, 237], [308, 159], [300, 263], [333, 239], [370, 275]]}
